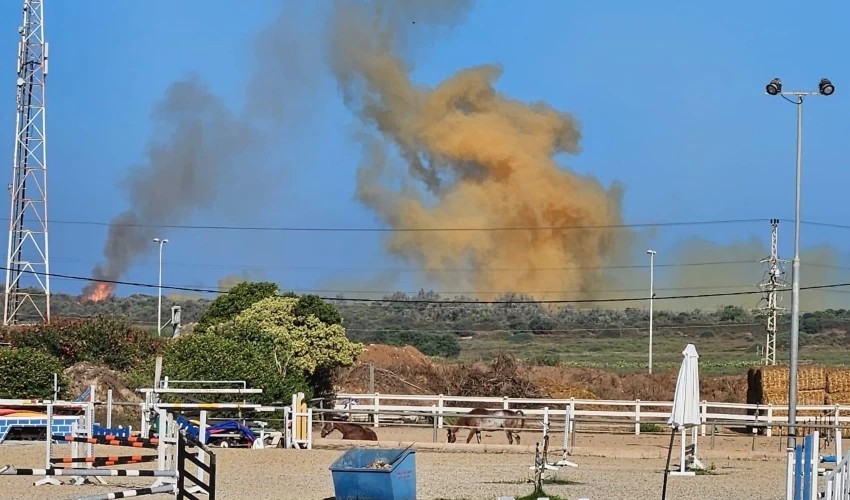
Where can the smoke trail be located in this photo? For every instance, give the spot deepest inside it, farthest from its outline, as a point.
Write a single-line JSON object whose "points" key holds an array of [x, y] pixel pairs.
{"points": [[201, 146], [195, 149], [474, 157]]}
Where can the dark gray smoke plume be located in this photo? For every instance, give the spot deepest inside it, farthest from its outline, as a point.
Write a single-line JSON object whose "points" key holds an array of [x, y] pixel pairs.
{"points": [[196, 146], [201, 148]]}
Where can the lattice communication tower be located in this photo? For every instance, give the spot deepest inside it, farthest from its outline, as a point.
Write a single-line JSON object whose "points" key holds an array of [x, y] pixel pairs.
{"points": [[773, 283], [27, 296]]}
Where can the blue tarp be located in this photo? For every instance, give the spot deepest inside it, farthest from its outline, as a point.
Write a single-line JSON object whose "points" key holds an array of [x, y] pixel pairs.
{"points": [[229, 426]]}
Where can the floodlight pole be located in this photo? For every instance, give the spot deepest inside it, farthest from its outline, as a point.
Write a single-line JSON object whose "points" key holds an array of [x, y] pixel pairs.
{"points": [[651, 297], [775, 88]]}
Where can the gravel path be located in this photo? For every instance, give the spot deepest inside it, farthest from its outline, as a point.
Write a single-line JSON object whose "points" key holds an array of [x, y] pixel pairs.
{"points": [[485, 474]]}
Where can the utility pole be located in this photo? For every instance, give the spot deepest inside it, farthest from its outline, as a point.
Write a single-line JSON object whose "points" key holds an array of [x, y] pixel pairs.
{"points": [[27, 291], [773, 283], [651, 300]]}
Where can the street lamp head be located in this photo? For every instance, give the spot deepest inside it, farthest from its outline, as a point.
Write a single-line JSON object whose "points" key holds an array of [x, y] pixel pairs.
{"points": [[774, 87], [650, 252], [156, 240], [825, 87]]}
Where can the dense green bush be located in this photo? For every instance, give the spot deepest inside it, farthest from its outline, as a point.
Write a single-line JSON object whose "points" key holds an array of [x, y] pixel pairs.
{"points": [[211, 357], [28, 373], [237, 299], [111, 341]]}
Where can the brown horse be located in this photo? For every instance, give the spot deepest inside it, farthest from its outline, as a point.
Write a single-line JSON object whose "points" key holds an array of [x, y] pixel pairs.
{"points": [[482, 419], [349, 431]]}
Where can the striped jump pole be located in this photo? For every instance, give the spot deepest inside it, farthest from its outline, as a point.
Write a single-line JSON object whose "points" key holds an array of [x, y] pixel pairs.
{"points": [[105, 461], [110, 440], [168, 488], [8, 470]]}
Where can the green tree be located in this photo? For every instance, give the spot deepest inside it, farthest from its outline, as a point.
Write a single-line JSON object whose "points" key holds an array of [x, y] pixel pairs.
{"points": [[313, 304], [28, 373], [211, 357], [303, 343], [236, 300]]}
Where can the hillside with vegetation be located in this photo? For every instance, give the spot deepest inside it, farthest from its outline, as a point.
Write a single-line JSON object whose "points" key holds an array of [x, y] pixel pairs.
{"points": [[284, 342], [729, 338]]}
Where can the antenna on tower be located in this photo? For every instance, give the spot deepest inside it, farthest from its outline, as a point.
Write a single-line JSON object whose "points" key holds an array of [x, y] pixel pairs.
{"points": [[772, 283], [27, 294]]}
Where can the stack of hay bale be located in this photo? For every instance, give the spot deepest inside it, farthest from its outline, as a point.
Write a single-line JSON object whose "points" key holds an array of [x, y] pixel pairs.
{"points": [[838, 386], [769, 385]]}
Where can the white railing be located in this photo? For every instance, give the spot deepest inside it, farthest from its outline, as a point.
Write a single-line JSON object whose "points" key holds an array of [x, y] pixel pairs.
{"points": [[635, 412], [838, 480]]}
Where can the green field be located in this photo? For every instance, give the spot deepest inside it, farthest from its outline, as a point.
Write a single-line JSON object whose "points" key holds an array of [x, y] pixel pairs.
{"points": [[720, 354]]}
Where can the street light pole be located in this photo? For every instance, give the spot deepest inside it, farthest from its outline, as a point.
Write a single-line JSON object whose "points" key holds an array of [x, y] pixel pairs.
{"points": [[651, 300], [826, 88], [160, 242]]}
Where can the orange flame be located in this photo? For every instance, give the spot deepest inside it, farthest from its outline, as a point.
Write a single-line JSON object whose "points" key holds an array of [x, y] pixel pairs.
{"points": [[100, 291]]}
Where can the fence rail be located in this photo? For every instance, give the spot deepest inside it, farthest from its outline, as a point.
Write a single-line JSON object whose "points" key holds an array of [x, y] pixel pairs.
{"points": [[636, 412]]}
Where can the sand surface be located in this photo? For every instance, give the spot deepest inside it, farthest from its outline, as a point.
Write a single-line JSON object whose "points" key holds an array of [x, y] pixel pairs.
{"points": [[610, 466]]}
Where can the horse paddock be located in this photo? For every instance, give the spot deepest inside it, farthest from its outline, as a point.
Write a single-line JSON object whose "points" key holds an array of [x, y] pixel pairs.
{"points": [[610, 466]]}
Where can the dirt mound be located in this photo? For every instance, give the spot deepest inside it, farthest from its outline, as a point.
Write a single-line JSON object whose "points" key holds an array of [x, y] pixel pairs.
{"points": [[385, 356], [82, 375], [408, 371]]}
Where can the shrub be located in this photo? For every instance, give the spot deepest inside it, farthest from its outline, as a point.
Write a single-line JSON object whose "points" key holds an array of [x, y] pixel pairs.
{"points": [[210, 357], [28, 373], [430, 344], [237, 299], [651, 428], [111, 341]]}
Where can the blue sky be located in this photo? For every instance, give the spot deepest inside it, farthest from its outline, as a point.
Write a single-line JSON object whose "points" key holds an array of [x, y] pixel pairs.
{"points": [[669, 96]]}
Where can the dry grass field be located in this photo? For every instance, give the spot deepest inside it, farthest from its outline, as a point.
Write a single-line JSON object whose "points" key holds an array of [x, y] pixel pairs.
{"points": [[610, 466]]}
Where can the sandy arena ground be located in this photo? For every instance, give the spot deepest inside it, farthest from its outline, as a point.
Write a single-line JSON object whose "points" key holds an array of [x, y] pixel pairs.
{"points": [[610, 466]]}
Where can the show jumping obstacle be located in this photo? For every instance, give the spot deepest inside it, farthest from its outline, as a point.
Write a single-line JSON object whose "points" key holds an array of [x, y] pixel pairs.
{"points": [[173, 453]]}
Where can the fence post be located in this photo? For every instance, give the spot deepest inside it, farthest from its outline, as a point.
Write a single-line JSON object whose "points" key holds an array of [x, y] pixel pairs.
{"points": [[704, 410], [440, 404], [568, 420], [769, 431], [376, 403], [505, 403], [637, 417], [572, 414], [434, 421]]}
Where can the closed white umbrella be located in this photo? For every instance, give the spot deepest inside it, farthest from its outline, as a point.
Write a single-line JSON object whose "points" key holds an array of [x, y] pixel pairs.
{"points": [[685, 407], [686, 399]]}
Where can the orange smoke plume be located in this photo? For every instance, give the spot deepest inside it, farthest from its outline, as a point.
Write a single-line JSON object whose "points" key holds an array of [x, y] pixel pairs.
{"points": [[477, 159], [97, 292]]}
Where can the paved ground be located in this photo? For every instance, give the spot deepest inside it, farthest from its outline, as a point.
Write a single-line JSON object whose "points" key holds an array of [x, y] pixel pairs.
{"points": [[610, 466]]}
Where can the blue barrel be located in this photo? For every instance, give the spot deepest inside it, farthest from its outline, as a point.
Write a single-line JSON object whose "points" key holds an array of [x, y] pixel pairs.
{"points": [[354, 479]]}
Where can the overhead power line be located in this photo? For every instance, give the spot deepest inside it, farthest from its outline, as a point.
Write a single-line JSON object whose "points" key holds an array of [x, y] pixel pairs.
{"points": [[332, 229], [336, 229], [427, 301]]}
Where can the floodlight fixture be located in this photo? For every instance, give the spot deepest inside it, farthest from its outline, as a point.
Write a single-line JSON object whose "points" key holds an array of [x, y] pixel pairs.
{"points": [[774, 87], [825, 87]]}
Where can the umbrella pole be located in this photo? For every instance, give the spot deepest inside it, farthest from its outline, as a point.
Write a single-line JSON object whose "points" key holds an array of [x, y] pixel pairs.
{"points": [[667, 467]]}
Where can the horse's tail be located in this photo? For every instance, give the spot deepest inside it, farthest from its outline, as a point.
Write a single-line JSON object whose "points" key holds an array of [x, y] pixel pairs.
{"points": [[521, 420]]}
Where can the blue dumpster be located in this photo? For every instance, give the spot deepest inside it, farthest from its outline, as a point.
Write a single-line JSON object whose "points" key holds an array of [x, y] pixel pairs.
{"points": [[375, 474]]}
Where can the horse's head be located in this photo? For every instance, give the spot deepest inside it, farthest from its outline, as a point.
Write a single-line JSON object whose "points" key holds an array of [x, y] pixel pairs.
{"points": [[327, 428], [452, 435]]}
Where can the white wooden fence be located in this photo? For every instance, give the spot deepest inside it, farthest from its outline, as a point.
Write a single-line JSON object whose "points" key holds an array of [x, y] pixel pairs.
{"points": [[634, 412]]}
